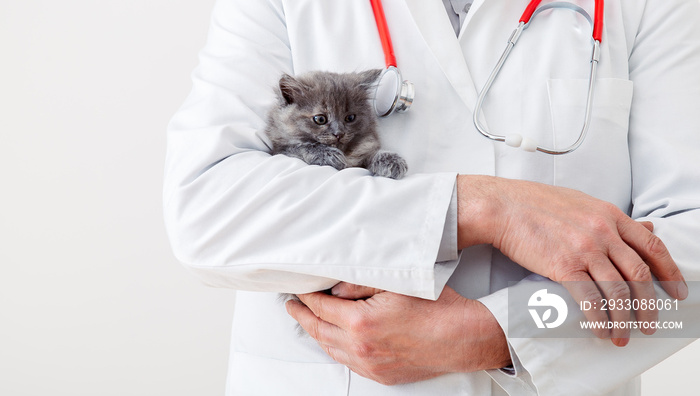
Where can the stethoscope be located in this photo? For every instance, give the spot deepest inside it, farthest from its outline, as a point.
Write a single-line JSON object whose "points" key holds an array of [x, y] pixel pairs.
{"points": [[395, 95]]}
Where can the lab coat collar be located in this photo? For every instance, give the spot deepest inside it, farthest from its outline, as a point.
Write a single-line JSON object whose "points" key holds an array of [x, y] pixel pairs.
{"points": [[446, 48]]}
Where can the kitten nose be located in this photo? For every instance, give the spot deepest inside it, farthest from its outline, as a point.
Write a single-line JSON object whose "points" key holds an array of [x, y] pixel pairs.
{"points": [[338, 134]]}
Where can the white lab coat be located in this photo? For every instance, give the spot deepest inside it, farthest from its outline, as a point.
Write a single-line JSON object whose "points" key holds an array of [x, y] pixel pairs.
{"points": [[242, 219]]}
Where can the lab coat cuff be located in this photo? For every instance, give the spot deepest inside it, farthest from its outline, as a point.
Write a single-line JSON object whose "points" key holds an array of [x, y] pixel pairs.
{"points": [[514, 379], [443, 272], [448, 252], [448, 255]]}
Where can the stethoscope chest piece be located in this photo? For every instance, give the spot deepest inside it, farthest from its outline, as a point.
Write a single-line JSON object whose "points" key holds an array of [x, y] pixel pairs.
{"points": [[394, 94]]}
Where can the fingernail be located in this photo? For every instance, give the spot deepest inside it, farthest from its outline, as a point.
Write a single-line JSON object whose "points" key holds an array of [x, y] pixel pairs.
{"points": [[648, 330], [288, 305], [620, 342], [682, 290]]}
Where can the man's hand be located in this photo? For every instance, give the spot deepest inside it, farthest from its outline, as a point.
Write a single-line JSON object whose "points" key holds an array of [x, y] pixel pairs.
{"points": [[350, 291], [394, 339], [569, 236]]}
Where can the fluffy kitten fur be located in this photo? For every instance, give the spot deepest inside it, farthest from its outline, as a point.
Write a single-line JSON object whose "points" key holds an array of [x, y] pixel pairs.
{"points": [[327, 118]]}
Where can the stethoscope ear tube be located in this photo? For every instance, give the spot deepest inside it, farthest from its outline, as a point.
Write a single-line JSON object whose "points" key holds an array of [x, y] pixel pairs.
{"points": [[516, 140]]}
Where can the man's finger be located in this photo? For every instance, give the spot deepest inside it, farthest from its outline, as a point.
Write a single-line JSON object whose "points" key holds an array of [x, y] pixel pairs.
{"points": [[653, 251], [639, 280], [610, 283], [351, 291], [339, 355], [582, 288], [325, 333], [648, 225], [332, 309]]}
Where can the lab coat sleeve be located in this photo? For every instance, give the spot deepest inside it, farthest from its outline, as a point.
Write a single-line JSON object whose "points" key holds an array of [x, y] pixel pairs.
{"points": [[241, 218], [664, 143]]}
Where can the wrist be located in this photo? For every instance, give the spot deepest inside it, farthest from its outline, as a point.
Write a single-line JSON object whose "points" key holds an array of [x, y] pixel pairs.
{"points": [[492, 350], [491, 330], [478, 202]]}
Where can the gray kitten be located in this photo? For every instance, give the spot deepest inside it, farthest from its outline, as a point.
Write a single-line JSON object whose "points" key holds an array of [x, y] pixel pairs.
{"points": [[327, 118]]}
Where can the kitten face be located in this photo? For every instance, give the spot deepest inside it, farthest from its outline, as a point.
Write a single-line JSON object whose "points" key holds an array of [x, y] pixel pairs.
{"points": [[329, 108]]}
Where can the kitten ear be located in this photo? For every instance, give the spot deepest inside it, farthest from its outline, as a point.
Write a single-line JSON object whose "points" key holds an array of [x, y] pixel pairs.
{"points": [[368, 78], [290, 88]]}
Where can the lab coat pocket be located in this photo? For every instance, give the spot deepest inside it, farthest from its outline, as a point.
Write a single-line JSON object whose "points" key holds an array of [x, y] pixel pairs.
{"points": [[252, 375], [601, 165]]}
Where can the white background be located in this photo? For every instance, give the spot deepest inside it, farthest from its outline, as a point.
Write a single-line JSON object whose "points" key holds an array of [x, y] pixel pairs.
{"points": [[91, 300]]}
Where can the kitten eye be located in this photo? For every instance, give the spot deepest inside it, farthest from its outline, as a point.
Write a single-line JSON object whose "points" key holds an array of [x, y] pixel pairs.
{"points": [[320, 119], [350, 118]]}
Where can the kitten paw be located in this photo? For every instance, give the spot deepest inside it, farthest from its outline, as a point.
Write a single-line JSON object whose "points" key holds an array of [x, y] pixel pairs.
{"points": [[388, 164], [328, 156]]}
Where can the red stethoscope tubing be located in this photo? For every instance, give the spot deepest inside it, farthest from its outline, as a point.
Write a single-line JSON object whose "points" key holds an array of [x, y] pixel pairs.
{"points": [[598, 21], [384, 36], [597, 18]]}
